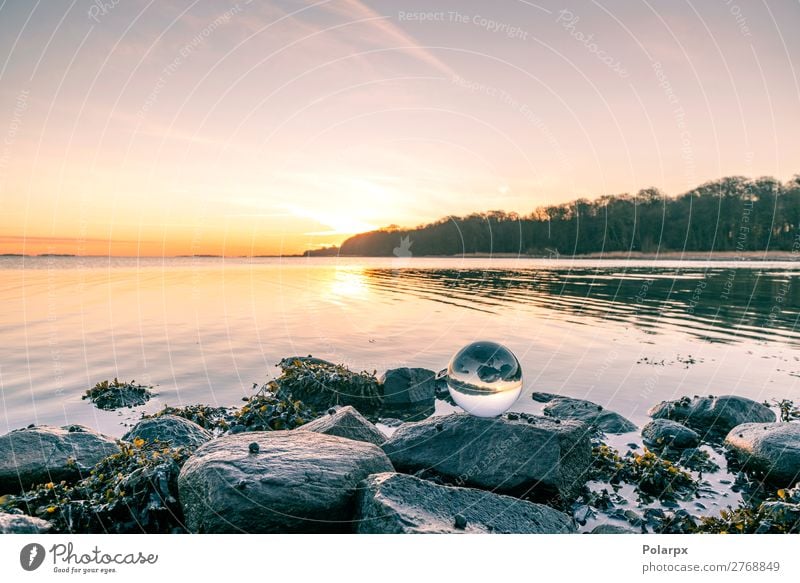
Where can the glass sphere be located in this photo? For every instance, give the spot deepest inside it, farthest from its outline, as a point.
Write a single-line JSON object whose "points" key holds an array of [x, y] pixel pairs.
{"points": [[484, 378]]}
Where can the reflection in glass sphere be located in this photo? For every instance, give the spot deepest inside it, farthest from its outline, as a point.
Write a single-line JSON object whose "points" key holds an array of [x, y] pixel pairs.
{"points": [[484, 378]]}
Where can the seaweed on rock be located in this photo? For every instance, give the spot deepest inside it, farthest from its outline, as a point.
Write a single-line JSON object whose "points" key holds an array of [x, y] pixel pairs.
{"points": [[321, 385], [132, 491], [214, 419], [110, 395], [693, 459], [787, 409], [650, 474], [697, 460], [263, 411], [778, 514]]}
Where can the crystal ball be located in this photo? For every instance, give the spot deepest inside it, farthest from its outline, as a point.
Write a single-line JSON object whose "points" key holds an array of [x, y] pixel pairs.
{"points": [[484, 378]]}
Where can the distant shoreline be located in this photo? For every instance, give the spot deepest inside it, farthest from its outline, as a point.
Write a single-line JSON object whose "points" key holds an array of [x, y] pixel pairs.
{"points": [[752, 256], [613, 255], [637, 255]]}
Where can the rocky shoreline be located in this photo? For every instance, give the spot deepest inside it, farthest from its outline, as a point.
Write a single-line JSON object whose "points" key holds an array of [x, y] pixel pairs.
{"points": [[306, 454]]}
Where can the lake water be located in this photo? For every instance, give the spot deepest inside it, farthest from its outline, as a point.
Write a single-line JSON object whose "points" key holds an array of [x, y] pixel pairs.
{"points": [[623, 334]]}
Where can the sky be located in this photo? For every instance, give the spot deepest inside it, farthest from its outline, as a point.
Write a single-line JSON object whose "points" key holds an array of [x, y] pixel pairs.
{"points": [[136, 127]]}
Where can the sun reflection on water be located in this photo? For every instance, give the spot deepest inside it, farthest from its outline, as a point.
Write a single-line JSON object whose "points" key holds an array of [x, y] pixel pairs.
{"points": [[348, 284]]}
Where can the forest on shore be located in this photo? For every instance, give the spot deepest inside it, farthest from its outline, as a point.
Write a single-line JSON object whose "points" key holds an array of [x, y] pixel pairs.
{"points": [[729, 214]]}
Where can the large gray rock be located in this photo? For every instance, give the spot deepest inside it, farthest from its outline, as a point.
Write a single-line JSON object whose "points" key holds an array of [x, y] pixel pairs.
{"points": [[770, 449], [177, 431], [409, 388], [713, 417], [537, 455], [392, 503], [660, 433], [276, 482], [590, 413], [346, 422], [22, 524], [42, 454]]}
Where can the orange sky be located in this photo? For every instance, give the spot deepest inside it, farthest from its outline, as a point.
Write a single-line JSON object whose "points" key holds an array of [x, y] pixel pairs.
{"points": [[196, 127]]}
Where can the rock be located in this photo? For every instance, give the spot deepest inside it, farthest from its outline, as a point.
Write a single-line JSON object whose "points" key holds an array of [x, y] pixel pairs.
{"points": [[299, 481], [461, 522], [405, 388], [590, 413], [41, 454], [304, 359], [176, 431], [582, 514], [632, 517], [536, 455], [393, 503], [770, 449], [661, 433], [22, 524], [348, 423], [540, 397], [713, 417], [607, 528]]}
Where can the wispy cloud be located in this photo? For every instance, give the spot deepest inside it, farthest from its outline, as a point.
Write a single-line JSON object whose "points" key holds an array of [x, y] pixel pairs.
{"points": [[388, 33]]}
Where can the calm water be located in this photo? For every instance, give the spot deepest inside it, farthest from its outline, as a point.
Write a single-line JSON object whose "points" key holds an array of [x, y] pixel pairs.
{"points": [[623, 334]]}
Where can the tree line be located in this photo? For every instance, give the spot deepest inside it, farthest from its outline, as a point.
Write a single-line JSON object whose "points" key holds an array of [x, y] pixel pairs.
{"points": [[730, 214]]}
